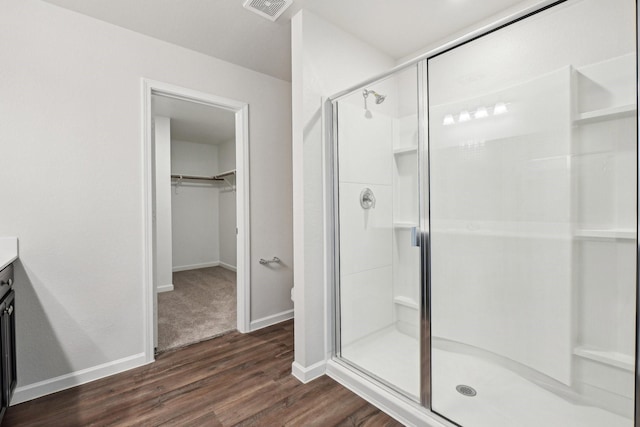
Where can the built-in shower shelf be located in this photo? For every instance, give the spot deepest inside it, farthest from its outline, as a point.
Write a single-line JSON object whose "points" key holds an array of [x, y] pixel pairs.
{"points": [[404, 224], [606, 114], [405, 150], [614, 233], [619, 360], [406, 301]]}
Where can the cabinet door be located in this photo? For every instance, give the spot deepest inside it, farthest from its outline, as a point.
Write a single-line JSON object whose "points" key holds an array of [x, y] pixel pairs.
{"points": [[4, 396], [9, 347]]}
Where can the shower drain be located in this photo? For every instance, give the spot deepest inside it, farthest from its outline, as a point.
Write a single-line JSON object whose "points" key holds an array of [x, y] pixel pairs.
{"points": [[466, 390]]}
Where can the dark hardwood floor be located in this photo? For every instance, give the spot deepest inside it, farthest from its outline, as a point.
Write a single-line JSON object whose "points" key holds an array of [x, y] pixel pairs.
{"points": [[236, 379]]}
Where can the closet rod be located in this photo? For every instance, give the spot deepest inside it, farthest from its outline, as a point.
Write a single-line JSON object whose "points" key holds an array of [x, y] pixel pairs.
{"points": [[208, 178], [231, 172], [219, 177]]}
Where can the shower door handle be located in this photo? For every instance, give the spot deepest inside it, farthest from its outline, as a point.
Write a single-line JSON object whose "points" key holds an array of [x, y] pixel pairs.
{"points": [[415, 237]]}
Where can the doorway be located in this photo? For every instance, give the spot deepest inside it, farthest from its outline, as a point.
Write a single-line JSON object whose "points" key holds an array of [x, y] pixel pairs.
{"points": [[197, 221]]}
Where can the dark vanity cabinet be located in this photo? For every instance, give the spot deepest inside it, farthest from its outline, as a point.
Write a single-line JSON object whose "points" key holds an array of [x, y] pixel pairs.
{"points": [[8, 377]]}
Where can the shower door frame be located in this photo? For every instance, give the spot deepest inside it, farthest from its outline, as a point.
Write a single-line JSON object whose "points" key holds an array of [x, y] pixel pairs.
{"points": [[330, 115], [332, 198]]}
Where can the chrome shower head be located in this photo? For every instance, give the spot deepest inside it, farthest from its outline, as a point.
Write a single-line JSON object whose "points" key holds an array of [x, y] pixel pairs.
{"points": [[379, 98]]}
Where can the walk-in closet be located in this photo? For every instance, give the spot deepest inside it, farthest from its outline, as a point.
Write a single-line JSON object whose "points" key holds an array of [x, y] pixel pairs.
{"points": [[195, 221]]}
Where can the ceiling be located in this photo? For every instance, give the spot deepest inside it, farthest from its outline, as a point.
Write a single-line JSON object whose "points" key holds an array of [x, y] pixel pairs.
{"points": [[225, 30], [195, 122]]}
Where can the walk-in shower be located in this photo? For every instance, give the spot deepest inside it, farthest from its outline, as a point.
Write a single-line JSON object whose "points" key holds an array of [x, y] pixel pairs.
{"points": [[485, 249]]}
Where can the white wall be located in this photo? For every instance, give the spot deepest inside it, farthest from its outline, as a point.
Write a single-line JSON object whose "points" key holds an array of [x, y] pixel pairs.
{"points": [[325, 59], [227, 220], [72, 166], [194, 206], [162, 204]]}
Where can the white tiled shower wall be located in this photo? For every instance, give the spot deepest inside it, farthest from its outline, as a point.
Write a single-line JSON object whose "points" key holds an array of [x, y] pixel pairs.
{"points": [[379, 267], [365, 154]]}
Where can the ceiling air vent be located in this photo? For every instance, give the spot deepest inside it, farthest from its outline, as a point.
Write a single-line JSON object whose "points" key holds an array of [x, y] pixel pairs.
{"points": [[270, 9]]}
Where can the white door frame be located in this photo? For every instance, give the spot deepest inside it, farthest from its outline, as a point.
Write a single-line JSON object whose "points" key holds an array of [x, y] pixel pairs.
{"points": [[241, 110]]}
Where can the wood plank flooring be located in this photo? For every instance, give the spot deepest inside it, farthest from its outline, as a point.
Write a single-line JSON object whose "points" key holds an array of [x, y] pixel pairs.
{"points": [[233, 380]]}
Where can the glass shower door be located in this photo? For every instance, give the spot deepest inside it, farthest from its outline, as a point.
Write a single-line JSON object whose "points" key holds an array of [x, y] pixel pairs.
{"points": [[378, 267], [532, 143]]}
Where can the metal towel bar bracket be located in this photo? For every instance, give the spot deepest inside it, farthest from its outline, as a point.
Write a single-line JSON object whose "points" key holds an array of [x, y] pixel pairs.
{"points": [[274, 260]]}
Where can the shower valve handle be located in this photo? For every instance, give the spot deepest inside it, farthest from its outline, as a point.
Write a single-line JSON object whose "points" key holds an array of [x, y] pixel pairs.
{"points": [[367, 199]]}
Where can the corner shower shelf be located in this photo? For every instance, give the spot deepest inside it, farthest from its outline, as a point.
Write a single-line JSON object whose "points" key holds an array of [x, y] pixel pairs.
{"points": [[614, 233], [406, 301], [605, 114], [405, 150], [404, 224], [611, 358]]}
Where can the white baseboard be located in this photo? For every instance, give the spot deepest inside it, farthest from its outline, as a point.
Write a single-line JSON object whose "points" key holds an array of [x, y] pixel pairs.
{"points": [[165, 288], [308, 374], [270, 320], [228, 266], [407, 412], [195, 266], [204, 265], [63, 382]]}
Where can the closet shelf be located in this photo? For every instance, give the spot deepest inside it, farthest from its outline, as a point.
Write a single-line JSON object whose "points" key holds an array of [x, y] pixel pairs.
{"points": [[614, 233], [405, 150], [611, 358], [606, 114]]}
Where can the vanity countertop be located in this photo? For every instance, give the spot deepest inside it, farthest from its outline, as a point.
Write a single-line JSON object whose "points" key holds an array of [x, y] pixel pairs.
{"points": [[8, 251]]}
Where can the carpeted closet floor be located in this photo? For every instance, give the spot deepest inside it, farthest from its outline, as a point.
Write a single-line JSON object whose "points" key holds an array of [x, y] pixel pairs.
{"points": [[201, 306]]}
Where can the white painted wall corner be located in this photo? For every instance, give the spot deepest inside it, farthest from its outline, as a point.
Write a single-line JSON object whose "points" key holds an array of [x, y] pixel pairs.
{"points": [[228, 266]]}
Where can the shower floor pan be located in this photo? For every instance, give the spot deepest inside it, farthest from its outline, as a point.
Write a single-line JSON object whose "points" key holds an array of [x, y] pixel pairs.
{"points": [[503, 398], [390, 355]]}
